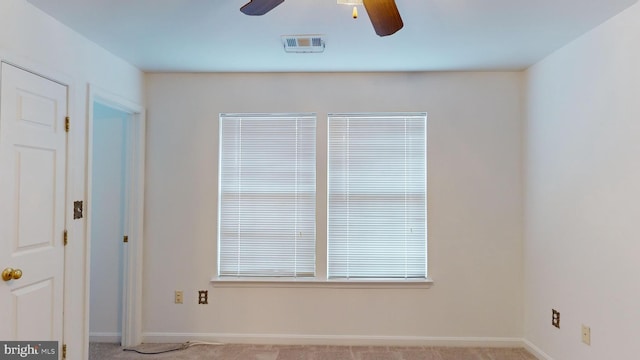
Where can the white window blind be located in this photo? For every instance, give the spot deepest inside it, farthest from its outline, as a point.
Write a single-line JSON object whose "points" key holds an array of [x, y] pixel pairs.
{"points": [[377, 196], [267, 195]]}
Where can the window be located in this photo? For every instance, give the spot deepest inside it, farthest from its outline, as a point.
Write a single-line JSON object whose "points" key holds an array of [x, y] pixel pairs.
{"points": [[375, 200], [377, 196], [267, 195]]}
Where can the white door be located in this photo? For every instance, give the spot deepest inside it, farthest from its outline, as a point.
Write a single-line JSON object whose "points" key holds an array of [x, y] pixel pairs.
{"points": [[32, 204]]}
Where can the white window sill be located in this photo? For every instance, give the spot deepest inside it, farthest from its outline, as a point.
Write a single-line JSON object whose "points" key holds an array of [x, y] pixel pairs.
{"points": [[258, 282]]}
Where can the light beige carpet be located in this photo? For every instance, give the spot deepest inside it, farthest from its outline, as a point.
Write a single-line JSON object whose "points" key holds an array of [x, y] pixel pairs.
{"points": [[101, 351]]}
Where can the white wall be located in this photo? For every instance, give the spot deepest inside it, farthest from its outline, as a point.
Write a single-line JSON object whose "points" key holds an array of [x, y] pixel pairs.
{"points": [[475, 209], [582, 194], [36, 41]]}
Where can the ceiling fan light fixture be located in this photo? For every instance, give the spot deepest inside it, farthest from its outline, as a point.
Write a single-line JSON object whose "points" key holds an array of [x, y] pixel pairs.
{"points": [[354, 3], [350, 2], [384, 14]]}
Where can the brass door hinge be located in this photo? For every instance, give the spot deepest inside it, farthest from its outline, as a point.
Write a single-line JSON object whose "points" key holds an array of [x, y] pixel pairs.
{"points": [[125, 239], [66, 238], [67, 124], [64, 351]]}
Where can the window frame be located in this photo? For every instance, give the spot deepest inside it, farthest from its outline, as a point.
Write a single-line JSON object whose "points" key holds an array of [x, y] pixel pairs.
{"points": [[363, 194], [321, 279], [253, 187]]}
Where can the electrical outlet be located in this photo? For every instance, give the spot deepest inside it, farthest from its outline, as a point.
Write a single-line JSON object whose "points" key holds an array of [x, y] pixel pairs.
{"points": [[586, 334], [203, 297], [178, 297], [555, 318]]}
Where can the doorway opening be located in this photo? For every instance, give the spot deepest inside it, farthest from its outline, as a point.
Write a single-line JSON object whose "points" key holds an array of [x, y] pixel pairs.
{"points": [[114, 227], [109, 197]]}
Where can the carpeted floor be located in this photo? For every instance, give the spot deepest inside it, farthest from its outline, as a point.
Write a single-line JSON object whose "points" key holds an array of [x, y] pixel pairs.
{"points": [[102, 351]]}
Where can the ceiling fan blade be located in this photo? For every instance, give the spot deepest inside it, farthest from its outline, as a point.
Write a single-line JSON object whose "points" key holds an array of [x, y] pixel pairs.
{"points": [[259, 7], [384, 16]]}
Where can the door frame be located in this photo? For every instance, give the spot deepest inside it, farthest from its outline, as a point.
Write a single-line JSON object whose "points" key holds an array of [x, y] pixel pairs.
{"points": [[134, 210]]}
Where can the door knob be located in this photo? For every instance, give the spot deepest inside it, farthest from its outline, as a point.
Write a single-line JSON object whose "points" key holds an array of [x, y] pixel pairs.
{"points": [[9, 273]]}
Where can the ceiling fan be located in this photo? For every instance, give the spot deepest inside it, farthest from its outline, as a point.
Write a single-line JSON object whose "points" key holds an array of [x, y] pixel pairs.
{"points": [[383, 14]]}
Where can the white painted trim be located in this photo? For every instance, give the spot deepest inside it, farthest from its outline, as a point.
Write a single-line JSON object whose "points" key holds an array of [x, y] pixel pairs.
{"points": [[132, 287], [541, 355], [253, 282], [105, 337], [293, 339]]}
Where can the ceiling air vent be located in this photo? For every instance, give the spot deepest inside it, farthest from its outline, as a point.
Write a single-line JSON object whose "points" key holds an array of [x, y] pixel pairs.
{"points": [[303, 43]]}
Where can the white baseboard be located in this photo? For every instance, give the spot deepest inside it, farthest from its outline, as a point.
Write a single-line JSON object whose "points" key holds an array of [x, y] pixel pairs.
{"points": [[290, 339], [541, 355], [105, 337]]}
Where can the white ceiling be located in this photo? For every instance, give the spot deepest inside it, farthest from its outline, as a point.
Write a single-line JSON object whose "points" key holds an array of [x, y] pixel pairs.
{"points": [[214, 36]]}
